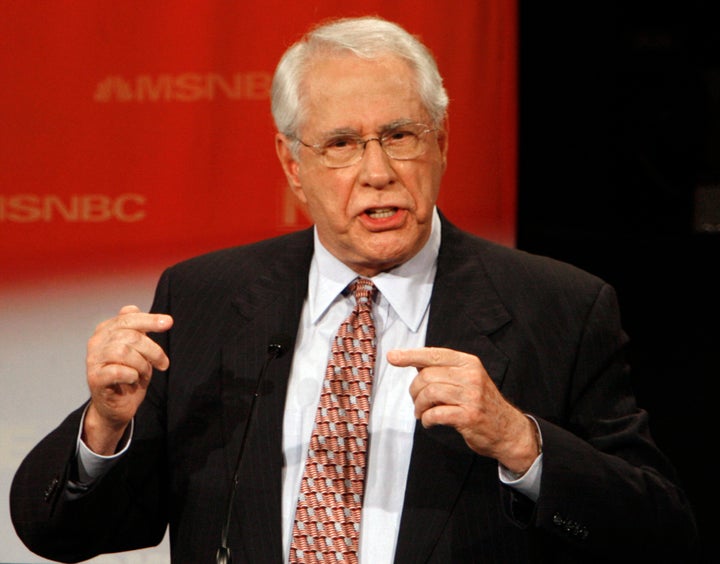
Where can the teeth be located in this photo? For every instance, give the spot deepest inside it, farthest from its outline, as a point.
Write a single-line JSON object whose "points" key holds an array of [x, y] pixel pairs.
{"points": [[381, 213]]}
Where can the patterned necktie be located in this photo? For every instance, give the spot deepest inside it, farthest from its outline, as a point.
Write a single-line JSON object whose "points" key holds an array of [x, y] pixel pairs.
{"points": [[327, 522]]}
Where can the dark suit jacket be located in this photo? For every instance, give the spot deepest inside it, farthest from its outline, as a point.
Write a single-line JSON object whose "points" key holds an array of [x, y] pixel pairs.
{"points": [[549, 336]]}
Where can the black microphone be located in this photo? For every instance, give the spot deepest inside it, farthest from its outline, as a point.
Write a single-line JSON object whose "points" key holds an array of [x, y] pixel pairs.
{"points": [[277, 347]]}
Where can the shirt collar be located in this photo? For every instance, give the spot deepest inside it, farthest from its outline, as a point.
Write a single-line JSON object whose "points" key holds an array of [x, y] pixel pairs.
{"points": [[407, 287]]}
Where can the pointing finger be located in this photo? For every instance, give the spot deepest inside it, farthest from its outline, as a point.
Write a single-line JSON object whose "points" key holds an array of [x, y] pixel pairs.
{"points": [[130, 317], [427, 356]]}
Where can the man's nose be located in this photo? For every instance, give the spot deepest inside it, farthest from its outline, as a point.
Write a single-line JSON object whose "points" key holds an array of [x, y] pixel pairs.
{"points": [[376, 166]]}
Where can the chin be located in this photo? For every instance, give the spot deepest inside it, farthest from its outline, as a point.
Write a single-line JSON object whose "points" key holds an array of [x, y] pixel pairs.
{"points": [[381, 263]]}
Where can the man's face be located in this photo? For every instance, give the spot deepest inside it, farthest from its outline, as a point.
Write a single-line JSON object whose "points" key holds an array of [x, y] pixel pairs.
{"points": [[376, 213]]}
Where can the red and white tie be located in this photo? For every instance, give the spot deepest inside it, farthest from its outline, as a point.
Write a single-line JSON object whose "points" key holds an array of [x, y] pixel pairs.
{"points": [[327, 521]]}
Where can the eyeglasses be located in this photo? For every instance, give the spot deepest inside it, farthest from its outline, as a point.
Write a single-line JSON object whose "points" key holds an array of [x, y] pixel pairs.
{"points": [[402, 143]]}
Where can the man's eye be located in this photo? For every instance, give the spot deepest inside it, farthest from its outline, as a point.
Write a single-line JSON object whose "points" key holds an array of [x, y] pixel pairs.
{"points": [[339, 143], [398, 135]]}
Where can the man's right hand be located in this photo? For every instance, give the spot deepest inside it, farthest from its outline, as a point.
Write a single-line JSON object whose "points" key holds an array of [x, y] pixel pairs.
{"points": [[120, 360]]}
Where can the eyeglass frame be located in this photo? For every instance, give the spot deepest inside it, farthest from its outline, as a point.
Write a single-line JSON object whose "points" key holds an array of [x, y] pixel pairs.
{"points": [[319, 149]]}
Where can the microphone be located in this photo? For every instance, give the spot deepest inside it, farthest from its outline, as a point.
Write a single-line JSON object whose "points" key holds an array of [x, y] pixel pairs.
{"points": [[279, 344]]}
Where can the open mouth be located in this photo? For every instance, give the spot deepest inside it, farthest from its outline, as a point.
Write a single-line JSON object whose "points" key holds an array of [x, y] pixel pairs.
{"points": [[381, 213]]}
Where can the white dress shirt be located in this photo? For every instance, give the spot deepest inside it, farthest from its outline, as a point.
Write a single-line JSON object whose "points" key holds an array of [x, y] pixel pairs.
{"points": [[401, 313]]}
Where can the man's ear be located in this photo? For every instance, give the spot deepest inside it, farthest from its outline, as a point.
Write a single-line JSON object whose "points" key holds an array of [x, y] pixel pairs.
{"points": [[289, 164]]}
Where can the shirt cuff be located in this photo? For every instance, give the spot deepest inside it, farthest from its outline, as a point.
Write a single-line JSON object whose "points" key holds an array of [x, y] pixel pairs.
{"points": [[529, 482], [91, 465]]}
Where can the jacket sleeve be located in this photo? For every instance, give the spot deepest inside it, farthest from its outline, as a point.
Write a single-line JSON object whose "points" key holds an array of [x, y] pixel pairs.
{"points": [[125, 509], [606, 488]]}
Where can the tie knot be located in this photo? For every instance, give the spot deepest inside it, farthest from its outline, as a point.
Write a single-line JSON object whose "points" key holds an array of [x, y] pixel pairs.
{"points": [[363, 289]]}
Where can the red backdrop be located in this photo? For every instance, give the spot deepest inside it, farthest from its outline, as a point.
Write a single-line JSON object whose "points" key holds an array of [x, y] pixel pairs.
{"points": [[137, 133]]}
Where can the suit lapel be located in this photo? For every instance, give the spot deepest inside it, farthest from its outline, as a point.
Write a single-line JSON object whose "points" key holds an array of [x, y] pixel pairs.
{"points": [[464, 311], [268, 308]]}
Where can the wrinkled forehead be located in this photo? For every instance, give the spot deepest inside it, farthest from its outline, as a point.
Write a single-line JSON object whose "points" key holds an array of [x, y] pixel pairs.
{"points": [[335, 76]]}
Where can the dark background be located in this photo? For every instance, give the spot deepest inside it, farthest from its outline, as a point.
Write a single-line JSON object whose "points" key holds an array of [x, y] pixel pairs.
{"points": [[619, 173]]}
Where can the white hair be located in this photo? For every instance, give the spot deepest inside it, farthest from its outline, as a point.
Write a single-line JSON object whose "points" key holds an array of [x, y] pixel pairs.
{"points": [[367, 37]]}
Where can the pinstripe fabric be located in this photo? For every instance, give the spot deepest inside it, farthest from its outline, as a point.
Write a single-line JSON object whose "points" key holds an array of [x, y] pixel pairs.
{"points": [[549, 337]]}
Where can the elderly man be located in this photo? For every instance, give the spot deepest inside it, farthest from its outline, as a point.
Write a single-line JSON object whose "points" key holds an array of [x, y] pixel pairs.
{"points": [[473, 407]]}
